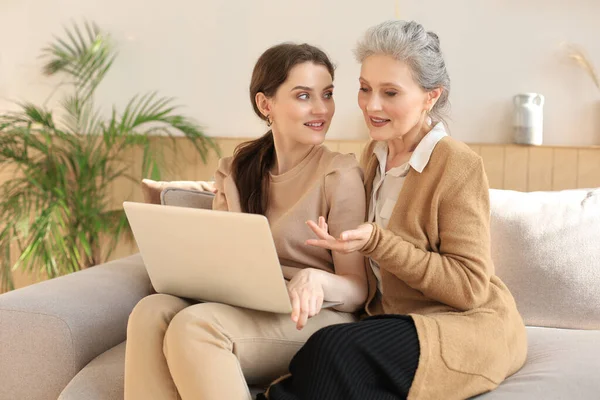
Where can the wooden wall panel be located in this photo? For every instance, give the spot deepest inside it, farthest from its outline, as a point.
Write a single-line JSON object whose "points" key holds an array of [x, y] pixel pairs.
{"points": [[540, 169], [564, 169], [516, 162], [493, 161], [354, 147], [588, 168], [333, 145]]}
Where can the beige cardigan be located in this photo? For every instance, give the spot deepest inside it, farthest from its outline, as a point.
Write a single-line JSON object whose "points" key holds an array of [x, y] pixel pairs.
{"points": [[436, 266]]}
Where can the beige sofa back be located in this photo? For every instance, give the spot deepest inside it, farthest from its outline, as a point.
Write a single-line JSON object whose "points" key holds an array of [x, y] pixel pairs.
{"points": [[546, 248]]}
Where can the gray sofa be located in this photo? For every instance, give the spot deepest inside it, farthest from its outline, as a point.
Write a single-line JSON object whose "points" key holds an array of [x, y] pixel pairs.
{"points": [[65, 338]]}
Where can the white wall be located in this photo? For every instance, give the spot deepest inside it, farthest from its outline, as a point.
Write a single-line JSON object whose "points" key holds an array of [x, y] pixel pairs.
{"points": [[202, 53]]}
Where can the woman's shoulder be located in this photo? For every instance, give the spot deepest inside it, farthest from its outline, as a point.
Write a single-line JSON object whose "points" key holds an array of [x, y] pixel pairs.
{"points": [[342, 177], [454, 161], [450, 152], [224, 166], [334, 161]]}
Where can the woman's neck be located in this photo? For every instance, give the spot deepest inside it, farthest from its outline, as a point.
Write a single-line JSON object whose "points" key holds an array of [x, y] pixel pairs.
{"points": [[288, 154], [400, 149]]}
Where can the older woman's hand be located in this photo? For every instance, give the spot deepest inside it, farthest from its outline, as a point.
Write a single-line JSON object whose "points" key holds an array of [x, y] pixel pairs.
{"points": [[348, 242]]}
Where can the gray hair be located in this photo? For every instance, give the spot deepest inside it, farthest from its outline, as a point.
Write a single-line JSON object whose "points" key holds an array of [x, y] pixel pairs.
{"points": [[409, 42]]}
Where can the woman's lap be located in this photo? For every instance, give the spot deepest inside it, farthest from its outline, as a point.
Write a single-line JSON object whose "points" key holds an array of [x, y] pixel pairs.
{"points": [[375, 358]]}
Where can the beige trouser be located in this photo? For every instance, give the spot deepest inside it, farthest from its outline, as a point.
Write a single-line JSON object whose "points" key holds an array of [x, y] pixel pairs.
{"points": [[209, 351]]}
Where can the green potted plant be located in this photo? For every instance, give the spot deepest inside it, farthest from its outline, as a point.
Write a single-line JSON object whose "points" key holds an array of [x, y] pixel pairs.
{"points": [[55, 210]]}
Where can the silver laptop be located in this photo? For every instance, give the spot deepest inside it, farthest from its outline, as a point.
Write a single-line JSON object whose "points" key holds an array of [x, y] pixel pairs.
{"points": [[210, 256]]}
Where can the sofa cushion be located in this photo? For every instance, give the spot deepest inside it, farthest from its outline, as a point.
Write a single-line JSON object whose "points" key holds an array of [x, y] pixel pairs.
{"points": [[546, 248], [152, 190], [101, 379], [561, 364], [186, 198]]}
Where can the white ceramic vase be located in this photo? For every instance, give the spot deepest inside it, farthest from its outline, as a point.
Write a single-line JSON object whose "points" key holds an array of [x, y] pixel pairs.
{"points": [[528, 123]]}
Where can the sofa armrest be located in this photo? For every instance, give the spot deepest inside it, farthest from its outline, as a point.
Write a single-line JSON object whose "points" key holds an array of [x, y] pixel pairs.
{"points": [[49, 331]]}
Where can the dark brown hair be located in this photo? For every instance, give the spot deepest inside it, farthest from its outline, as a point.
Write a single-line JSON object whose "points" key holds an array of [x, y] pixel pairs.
{"points": [[252, 160]]}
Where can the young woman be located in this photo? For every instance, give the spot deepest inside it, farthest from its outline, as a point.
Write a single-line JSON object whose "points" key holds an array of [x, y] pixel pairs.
{"points": [[209, 351], [442, 325]]}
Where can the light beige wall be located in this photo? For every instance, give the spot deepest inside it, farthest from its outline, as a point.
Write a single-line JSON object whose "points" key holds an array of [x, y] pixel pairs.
{"points": [[202, 52]]}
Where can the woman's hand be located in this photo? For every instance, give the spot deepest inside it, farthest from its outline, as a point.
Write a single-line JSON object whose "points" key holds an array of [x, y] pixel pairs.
{"points": [[306, 294], [348, 242]]}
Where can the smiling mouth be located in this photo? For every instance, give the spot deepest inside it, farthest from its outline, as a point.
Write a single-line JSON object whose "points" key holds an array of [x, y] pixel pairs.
{"points": [[317, 125], [378, 120]]}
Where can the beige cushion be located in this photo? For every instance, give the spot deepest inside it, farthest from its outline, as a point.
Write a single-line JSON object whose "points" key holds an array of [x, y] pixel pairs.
{"points": [[546, 248], [186, 198], [101, 379], [152, 189], [561, 364]]}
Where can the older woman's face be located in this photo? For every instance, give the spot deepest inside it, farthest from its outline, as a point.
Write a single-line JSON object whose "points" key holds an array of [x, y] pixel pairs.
{"points": [[391, 101]]}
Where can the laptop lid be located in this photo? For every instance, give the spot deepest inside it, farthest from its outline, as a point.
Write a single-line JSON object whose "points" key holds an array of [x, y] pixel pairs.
{"points": [[208, 255]]}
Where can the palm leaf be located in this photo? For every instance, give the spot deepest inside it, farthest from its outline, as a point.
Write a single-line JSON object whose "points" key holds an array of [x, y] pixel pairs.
{"points": [[149, 113], [81, 118], [119, 229], [85, 59]]}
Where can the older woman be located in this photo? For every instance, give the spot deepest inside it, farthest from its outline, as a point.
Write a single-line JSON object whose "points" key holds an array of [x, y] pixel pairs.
{"points": [[441, 325]]}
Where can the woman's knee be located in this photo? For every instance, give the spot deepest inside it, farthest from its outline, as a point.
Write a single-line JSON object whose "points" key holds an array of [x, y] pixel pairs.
{"points": [[156, 309], [334, 333], [326, 341], [198, 323]]}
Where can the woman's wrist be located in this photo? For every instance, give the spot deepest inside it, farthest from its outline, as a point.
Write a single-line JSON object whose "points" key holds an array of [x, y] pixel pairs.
{"points": [[320, 277], [368, 246], [289, 272]]}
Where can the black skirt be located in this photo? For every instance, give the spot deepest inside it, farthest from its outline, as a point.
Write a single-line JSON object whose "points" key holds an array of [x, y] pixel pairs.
{"points": [[373, 359]]}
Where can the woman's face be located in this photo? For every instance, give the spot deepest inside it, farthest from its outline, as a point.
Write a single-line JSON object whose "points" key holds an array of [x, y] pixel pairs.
{"points": [[392, 103], [302, 108]]}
